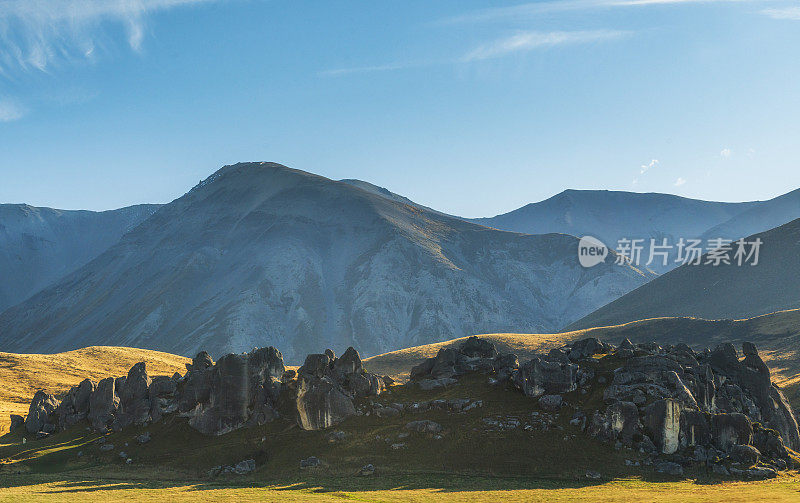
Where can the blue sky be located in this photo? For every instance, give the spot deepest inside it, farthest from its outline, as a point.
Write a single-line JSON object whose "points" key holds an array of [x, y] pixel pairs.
{"points": [[474, 108]]}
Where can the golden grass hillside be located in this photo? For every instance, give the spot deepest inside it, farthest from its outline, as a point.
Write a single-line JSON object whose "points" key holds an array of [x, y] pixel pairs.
{"points": [[22, 374]]}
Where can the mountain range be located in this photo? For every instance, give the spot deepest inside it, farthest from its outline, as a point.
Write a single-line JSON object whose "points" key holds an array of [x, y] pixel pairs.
{"points": [[260, 254], [612, 215], [40, 245]]}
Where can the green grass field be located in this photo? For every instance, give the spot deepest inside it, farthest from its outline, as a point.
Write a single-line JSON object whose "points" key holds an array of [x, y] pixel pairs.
{"points": [[427, 488]]}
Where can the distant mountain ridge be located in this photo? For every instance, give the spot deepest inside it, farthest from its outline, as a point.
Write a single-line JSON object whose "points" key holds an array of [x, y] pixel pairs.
{"points": [[40, 245], [260, 254], [614, 215]]}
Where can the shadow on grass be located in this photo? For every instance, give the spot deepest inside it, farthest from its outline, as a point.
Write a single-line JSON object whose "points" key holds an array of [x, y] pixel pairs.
{"points": [[326, 484]]}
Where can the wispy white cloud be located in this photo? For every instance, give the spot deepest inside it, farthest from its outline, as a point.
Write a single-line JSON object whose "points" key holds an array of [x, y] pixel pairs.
{"points": [[529, 40], [37, 34], [519, 42], [378, 68], [680, 181], [791, 13], [725, 153], [534, 9], [10, 110], [647, 167]]}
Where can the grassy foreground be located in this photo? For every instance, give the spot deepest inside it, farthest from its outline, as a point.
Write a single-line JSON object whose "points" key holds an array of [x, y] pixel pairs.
{"points": [[410, 488]]}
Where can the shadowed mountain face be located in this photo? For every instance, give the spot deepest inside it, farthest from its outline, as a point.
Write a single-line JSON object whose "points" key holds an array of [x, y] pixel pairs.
{"points": [[610, 216], [40, 245], [259, 254], [716, 292]]}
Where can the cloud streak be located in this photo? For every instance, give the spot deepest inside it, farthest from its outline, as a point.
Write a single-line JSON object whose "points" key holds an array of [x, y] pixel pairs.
{"points": [[790, 13], [10, 110], [530, 40], [519, 42], [534, 9], [39, 34]]}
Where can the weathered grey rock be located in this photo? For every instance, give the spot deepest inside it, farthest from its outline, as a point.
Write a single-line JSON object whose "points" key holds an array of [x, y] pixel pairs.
{"points": [[349, 362], [620, 421], [243, 389], [42, 407], [134, 401], [74, 407], [245, 467], [694, 428], [662, 423], [586, 348], [720, 469], [679, 390], [201, 362], [538, 377], [226, 409], [316, 365], [367, 470], [475, 347], [103, 404], [321, 403], [17, 422], [769, 443], [746, 455], [731, 429]]}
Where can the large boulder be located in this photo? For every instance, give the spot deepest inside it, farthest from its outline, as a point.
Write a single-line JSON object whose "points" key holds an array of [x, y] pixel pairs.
{"points": [[243, 389], [42, 407], [134, 400], [103, 404], [17, 422], [586, 348], [74, 407], [731, 429], [473, 355], [620, 421], [321, 403], [662, 421], [694, 428], [538, 377]]}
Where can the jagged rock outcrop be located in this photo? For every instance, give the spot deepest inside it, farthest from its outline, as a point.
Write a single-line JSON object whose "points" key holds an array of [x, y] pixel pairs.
{"points": [[243, 389], [74, 407], [326, 387], [103, 404], [39, 413], [672, 402], [675, 405], [238, 390], [473, 355]]}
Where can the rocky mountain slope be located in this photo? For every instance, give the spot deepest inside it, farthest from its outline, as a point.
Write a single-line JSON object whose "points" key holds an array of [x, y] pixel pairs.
{"points": [[259, 254], [716, 291], [611, 216], [40, 245]]}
